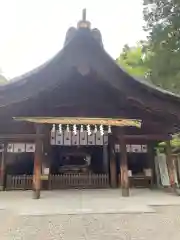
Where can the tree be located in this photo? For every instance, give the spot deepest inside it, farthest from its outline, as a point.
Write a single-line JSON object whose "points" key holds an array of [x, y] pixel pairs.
{"points": [[3, 80], [134, 60], [163, 25]]}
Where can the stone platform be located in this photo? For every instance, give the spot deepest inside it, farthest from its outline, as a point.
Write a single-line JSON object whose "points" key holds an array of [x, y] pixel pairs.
{"points": [[86, 202]]}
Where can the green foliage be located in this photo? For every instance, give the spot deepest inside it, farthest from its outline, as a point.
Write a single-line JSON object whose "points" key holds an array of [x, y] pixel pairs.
{"points": [[175, 142], [158, 59], [133, 60], [163, 25], [3, 80]]}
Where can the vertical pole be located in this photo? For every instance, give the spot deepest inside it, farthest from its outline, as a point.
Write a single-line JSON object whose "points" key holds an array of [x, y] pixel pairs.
{"points": [[123, 166], [37, 163], [3, 168], [151, 162], [170, 164], [47, 155], [113, 172], [105, 159]]}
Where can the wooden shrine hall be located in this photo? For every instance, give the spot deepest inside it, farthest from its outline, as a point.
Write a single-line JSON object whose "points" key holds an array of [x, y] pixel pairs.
{"points": [[80, 121]]}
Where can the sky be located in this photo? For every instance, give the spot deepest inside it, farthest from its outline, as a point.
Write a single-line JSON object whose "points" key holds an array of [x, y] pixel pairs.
{"points": [[32, 31]]}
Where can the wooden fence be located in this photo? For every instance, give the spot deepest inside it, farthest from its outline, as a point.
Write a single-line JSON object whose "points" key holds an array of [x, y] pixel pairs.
{"points": [[79, 181], [20, 182], [60, 181]]}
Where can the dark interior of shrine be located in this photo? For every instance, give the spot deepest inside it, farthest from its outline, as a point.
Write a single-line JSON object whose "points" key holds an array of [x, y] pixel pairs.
{"points": [[20, 163], [68, 159], [137, 162], [77, 159]]}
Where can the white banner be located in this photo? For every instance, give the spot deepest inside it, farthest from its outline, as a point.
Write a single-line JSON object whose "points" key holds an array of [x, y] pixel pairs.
{"points": [[161, 158]]}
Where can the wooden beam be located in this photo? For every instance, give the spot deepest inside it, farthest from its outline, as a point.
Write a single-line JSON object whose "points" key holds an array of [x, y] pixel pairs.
{"points": [[123, 166], [113, 170], [27, 136], [170, 164], [3, 168], [31, 136], [79, 121], [157, 137], [37, 162]]}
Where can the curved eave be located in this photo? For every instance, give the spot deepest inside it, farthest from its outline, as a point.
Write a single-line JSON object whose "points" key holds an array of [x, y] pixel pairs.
{"points": [[83, 49]]}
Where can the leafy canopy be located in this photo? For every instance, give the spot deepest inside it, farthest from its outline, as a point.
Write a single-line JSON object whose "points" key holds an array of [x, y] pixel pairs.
{"points": [[3, 80], [162, 19], [134, 60]]}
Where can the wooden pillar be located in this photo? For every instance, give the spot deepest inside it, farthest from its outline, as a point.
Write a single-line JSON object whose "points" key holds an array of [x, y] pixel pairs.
{"points": [[113, 171], [170, 164], [3, 168], [123, 166], [47, 157], [37, 162], [105, 159], [151, 161]]}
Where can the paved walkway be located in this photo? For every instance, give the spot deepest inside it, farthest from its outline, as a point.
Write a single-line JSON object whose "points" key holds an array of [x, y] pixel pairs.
{"points": [[85, 201], [71, 215]]}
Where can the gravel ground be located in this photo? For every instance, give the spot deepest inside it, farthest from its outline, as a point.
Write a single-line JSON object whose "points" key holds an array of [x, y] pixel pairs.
{"points": [[162, 225]]}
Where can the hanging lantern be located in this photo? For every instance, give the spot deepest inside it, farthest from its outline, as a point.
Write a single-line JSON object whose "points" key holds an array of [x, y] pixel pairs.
{"points": [[82, 129], [75, 129], [88, 129], [53, 128], [101, 130], [60, 128], [109, 129], [67, 128], [95, 129]]}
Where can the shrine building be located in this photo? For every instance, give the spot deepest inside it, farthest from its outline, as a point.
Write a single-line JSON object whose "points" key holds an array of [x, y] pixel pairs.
{"points": [[81, 121]]}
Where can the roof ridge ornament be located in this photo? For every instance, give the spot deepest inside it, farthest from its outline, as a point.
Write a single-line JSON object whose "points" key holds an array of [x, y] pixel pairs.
{"points": [[84, 23]]}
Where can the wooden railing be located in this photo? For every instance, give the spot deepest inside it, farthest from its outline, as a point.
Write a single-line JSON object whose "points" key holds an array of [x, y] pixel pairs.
{"points": [[20, 182], [60, 181]]}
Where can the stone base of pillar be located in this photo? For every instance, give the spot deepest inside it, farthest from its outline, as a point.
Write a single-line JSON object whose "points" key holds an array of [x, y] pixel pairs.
{"points": [[125, 192], [36, 194]]}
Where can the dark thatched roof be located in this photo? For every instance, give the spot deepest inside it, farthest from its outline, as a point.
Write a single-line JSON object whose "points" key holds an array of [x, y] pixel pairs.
{"points": [[84, 48]]}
